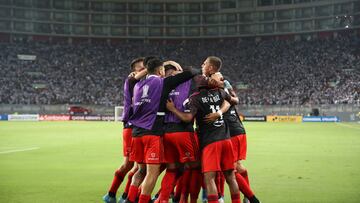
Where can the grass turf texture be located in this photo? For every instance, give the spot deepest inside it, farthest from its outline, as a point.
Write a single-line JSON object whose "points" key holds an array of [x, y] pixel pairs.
{"points": [[75, 161]]}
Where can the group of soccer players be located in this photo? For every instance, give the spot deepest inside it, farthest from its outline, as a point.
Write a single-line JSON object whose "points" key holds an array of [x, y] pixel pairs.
{"points": [[161, 103]]}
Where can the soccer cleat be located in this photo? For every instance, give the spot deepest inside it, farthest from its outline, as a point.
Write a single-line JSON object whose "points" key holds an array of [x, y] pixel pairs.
{"points": [[246, 200], [204, 196], [253, 199], [174, 200], [155, 197], [108, 199], [221, 200], [121, 200]]}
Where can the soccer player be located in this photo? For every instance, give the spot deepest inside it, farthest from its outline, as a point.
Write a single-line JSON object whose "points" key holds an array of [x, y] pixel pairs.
{"points": [[136, 66], [214, 139], [211, 67], [238, 138], [179, 141], [150, 95]]}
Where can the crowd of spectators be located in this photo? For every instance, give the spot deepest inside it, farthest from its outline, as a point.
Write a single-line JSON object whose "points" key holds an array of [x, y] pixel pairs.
{"points": [[318, 71]]}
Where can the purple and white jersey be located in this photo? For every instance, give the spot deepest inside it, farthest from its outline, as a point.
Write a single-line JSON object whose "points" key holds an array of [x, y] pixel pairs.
{"points": [[146, 101], [180, 97], [127, 102]]}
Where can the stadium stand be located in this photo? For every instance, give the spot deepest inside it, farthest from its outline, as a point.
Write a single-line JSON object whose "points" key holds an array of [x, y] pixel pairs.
{"points": [[316, 71]]}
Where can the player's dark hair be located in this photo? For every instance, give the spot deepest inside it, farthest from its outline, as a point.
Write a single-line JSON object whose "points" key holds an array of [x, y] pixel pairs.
{"points": [[216, 62], [147, 59], [153, 64], [169, 66], [133, 62]]}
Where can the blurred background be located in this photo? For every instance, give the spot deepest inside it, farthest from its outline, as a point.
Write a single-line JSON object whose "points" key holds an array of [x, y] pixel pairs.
{"points": [[284, 57]]}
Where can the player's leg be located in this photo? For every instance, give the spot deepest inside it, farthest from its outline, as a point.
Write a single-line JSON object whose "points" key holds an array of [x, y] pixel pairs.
{"points": [[196, 181], [211, 163], [211, 186], [240, 168], [168, 183], [178, 189], [153, 157], [233, 187], [245, 188], [171, 156], [152, 174], [227, 167], [137, 155], [135, 183], [186, 182], [121, 172], [220, 183], [188, 150], [128, 183], [204, 193], [242, 152], [156, 196]]}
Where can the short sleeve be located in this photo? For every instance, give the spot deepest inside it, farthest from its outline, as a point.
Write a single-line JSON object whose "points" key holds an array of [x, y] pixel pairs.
{"points": [[193, 105]]}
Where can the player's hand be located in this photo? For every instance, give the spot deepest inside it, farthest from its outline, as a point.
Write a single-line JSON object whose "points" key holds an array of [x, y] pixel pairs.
{"points": [[212, 83], [211, 117], [175, 64], [217, 76], [132, 74], [170, 105]]}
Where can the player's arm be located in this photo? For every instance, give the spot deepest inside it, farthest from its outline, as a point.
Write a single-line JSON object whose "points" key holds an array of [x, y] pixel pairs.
{"points": [[225, 84], [216, 80], [185, 117], [131, 84], [172, 82], [141, 74], [175, 64], [234, 98], [212, 117]]}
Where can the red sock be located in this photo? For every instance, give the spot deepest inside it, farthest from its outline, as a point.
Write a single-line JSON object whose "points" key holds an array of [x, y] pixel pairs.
{"points": [[186, 183], [178, 189], [139, 192], [128, 183], [245, 176], [243, 186], [133, 192], [167, 185], [235, 198], [184, 198], [195, 186], [118, 178], [213, 199], [144, 198]]}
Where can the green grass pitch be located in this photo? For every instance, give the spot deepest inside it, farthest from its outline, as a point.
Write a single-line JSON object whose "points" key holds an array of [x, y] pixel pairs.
{"points": [[43, 162]]}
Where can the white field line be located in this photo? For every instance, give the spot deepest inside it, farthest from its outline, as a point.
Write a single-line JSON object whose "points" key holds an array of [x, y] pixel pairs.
{"points": [[348, 126], [19, 150]]}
